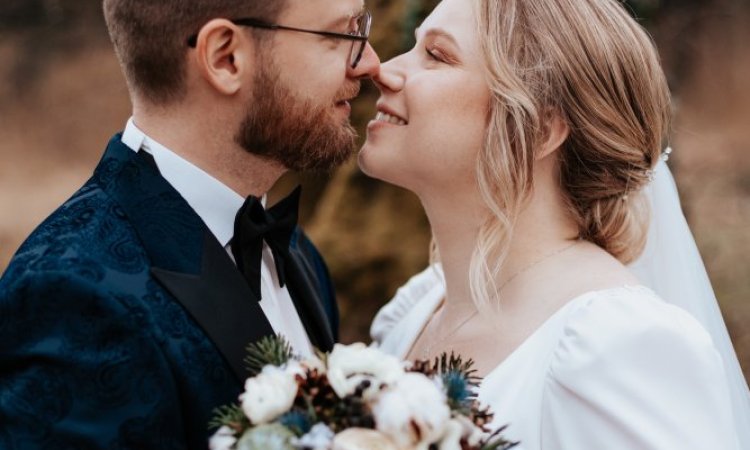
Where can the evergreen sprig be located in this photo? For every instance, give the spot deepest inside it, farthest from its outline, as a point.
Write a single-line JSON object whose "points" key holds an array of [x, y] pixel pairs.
{"points": [[496, 442], [273, 350], [231, 416]]}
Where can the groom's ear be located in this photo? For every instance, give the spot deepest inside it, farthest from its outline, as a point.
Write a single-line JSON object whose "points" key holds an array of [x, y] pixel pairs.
{"points": [[557, 131], [224, 55]]}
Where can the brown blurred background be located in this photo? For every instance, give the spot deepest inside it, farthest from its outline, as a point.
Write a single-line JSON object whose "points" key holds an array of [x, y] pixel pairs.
{"points": [[62, 97]]}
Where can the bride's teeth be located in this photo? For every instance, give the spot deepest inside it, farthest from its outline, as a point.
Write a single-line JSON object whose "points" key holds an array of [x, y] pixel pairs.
{"points": [[385, 117]]}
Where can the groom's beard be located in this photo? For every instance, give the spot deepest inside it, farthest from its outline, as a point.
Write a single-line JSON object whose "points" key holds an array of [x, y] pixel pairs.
{"points": [[300, 134]]}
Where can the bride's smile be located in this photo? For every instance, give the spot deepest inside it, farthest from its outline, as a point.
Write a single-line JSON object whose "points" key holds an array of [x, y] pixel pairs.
{"points": [[431, 116]]}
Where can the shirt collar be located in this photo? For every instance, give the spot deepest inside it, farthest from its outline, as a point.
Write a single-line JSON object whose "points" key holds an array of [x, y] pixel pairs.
{"points": [[214, 202]]}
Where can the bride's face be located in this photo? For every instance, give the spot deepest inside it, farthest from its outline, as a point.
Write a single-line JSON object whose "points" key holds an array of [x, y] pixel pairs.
{"points": [[433, 109]]}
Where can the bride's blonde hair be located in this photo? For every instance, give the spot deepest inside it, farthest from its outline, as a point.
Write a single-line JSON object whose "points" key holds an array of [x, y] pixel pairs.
{"points": [[589, 63]]}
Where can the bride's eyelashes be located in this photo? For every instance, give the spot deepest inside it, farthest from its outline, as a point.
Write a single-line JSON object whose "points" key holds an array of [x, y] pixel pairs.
{"points": [[435, 54], [431, 54]]}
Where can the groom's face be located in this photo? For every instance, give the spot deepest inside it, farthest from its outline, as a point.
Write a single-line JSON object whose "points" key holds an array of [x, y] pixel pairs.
{"points": [[299, 114]]}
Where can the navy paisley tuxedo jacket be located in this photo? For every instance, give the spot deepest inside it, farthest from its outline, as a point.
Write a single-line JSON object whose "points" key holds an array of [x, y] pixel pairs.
{"points": [[123, 322]]}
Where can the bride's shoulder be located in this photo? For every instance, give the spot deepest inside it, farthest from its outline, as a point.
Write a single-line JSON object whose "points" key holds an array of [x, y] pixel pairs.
{"points": [[630, 307], [627, 356], [426, 286], [629, 325]]}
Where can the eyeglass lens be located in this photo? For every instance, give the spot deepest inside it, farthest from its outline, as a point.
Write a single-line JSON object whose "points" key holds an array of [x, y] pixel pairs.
{"points": [[358, 47]]}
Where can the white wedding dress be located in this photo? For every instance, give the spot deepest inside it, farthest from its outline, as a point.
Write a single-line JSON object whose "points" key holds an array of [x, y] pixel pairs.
{"points": [[614, 369]]}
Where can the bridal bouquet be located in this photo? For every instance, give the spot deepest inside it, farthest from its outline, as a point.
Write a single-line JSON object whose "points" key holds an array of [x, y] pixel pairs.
{"points": [[354, 398]]}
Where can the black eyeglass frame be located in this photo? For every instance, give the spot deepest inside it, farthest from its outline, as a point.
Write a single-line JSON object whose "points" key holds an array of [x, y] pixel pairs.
{"points": [[354, 60]]}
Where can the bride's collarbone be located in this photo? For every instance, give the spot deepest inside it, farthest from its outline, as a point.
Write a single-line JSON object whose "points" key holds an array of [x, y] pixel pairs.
{"points": [[486, 343], [489, 338]]}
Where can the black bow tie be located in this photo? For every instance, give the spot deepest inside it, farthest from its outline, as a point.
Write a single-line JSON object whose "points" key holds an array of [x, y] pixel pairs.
{"points": [[253, 225]]}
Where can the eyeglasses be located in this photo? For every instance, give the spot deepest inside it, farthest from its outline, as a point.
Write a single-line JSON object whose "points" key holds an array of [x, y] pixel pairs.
{"points": [[359, 37]]}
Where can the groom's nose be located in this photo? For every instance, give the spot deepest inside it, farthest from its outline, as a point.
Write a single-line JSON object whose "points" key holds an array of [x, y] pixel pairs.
{"points": [[369, 65]]}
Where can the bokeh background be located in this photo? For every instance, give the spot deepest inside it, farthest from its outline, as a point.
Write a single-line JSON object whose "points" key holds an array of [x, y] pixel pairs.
{"points": [[62, 96]]}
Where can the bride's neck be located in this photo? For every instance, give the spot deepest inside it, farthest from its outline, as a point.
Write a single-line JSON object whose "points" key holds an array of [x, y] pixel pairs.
{"points": [[455, 226], [541, 228]]}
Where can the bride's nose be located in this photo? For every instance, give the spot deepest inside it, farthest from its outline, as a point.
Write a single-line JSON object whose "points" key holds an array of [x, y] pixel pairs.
{"points": [[392, 76]]}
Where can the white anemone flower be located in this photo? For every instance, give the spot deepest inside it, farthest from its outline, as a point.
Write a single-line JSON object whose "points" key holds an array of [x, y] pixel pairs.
{"points": [[223, 439], [350, 365], [269, 394], [319, 437], [412, 411], [362, 439]]}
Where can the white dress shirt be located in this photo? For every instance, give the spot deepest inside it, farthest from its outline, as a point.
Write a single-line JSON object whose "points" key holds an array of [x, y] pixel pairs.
{"points": [[217, 205]]}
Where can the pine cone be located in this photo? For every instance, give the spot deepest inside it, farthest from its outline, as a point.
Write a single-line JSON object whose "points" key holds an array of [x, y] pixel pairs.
{"points": [[424, 367], [339, 414], [480, 416], [352, 411]]}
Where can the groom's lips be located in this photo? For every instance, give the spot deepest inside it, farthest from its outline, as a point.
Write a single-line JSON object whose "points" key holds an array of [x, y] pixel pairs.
{"points": [[348, 95], [344, 105]]}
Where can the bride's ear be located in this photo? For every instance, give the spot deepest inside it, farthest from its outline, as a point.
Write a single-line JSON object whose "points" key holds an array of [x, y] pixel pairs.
{"points": [[557, 132]]}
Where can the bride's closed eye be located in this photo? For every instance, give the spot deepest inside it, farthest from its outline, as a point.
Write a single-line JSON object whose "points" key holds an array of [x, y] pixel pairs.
{"points": [[436, 54]]}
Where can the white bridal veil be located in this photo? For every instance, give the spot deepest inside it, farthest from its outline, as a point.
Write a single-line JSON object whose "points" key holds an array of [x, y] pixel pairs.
{"points": [[672, 267]]}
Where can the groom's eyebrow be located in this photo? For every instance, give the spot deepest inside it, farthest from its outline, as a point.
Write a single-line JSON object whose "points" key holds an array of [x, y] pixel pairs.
{"points": [[345, 19]]}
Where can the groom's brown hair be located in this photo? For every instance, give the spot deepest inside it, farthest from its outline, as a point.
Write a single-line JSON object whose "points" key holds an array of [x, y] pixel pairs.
{"points": [[150, 37]]}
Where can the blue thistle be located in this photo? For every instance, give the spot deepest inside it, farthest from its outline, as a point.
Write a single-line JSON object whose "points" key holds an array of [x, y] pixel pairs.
{"points": [[459, 381], [299, 422], [459, 390]]}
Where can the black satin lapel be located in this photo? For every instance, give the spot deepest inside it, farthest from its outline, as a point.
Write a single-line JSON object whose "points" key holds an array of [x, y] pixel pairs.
{"points": [[186, 258], [221, 302], [307, 301]]}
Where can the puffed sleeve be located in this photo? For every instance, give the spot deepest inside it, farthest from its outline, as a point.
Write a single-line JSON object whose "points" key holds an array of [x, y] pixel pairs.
{"points": [[403, 314], [636, 373]]}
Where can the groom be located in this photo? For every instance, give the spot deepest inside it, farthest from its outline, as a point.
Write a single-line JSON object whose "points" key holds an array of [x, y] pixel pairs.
{"points": [[125, 315]]}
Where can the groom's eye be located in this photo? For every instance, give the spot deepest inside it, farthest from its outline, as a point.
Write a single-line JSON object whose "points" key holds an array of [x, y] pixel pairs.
{"points": [[353, 28]]}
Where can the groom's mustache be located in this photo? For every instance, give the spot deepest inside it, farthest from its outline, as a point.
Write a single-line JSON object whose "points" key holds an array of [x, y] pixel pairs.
{"points": [[348, 93]]}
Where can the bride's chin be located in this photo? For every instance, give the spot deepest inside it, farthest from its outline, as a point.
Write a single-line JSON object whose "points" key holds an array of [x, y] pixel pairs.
{"points": [[363, 162], [371, 165]]}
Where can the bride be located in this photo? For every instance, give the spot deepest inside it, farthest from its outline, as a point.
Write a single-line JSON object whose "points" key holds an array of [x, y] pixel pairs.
{"points": [[532, 132]]}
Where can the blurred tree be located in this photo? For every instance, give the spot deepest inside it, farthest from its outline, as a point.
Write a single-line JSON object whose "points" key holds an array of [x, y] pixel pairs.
{"points": [[44, 30], [22, 15]]}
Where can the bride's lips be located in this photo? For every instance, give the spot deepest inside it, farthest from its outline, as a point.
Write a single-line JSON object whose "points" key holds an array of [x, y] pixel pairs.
{"points": [[387, 117]]}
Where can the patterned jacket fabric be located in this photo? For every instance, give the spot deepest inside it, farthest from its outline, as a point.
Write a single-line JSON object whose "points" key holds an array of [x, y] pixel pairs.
{"points": [[95, 352]]}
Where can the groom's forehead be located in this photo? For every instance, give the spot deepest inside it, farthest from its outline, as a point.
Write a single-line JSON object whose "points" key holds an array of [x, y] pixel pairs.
{"points": [[323, 12]]}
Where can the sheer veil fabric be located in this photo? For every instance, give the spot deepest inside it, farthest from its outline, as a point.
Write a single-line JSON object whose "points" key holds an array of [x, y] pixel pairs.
{"points": [[671, 266]]}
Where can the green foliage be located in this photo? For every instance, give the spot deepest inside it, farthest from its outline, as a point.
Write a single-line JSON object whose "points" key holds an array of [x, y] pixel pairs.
{"points": [[416, 12], [231, 416], [273, 350], [496, 442]]}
